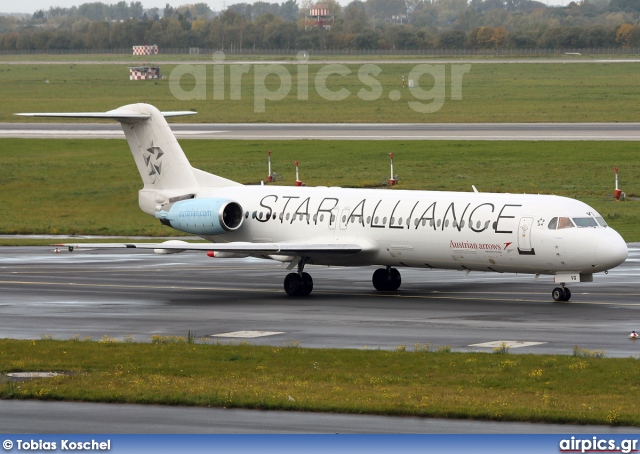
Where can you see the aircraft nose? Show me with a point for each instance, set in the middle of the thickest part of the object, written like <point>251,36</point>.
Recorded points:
<point>611,252</point>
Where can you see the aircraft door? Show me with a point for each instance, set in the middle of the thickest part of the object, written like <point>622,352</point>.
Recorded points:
<point>524,234</point>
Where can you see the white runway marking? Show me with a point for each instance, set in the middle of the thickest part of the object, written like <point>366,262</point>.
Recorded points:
<point>33,374</point>
<point>248,334</point>
<point>509,344</point>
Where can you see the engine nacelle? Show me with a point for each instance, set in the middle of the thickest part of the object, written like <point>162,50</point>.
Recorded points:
<point>202,216</point>
<point>172,243</point>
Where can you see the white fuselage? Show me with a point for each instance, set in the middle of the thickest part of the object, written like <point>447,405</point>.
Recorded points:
<point>452,230</point>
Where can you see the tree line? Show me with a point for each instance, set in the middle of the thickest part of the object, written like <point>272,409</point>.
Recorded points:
<point>360,25</point>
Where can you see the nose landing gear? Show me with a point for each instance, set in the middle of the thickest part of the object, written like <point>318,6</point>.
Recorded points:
<point>561,293</point>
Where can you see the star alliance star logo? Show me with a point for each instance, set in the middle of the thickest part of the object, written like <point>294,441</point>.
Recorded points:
<point>153,162</point>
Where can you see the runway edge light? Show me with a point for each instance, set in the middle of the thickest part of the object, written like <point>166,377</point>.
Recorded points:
<point>617,193</point>
<point>393,180</point>
<point>298,182</point>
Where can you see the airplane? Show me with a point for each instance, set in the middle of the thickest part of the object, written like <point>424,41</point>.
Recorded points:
<point>468,231</point>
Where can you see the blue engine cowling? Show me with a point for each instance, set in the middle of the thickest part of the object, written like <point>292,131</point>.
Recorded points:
<point>202,216</point>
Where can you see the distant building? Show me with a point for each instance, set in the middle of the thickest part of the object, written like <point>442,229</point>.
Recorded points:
<point>318,17</point>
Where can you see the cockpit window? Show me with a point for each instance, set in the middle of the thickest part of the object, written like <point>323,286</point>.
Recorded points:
<point>565,223</point>
<point>585,222</point>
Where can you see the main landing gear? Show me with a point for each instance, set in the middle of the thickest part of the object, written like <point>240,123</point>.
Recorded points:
<point>300,283</point>
<point>386,279</point>
<point>561,293</point>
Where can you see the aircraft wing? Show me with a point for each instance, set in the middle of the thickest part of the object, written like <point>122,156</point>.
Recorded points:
<point>298,249</point>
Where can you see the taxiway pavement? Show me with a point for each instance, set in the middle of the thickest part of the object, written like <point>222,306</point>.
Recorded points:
<point>342,131</point>
<point>45,417</point>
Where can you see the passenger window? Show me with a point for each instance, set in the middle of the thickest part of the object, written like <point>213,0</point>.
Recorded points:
<point>585,222</point>
<point>565,223</point>
<point>553,223</point>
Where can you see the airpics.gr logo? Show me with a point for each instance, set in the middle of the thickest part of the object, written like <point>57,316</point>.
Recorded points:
<point>426,83</point>
<point>595,444</point>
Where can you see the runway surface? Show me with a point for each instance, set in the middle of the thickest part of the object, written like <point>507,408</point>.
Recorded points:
<point>97,293</point>
<point>342,131</point>
<point>140,294</point>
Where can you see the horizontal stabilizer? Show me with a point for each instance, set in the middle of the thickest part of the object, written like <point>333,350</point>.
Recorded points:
<point>117,114</point>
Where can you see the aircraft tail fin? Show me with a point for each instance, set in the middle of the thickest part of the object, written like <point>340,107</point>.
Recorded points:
<point>160,160</point>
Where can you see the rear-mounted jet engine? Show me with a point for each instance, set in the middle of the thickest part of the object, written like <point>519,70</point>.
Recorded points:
<point>202,216</point>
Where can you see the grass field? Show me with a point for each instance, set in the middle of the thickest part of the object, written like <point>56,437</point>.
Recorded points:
<point>489,92</point>
<point>416,380</point>
<point>61,186</point>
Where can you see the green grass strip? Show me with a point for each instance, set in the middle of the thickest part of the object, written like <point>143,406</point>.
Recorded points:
<point>79,186</point>
<point>488,92</point>
<point>581,389</point>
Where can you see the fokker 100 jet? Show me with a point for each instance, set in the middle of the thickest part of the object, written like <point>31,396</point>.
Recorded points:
<point>470,231</point>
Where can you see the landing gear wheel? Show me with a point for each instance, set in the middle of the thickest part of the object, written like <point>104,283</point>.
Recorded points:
<point>557,294</point>
<point>394,279</point>
<point>293,284</point>
<point>379,279</point>
<point>386,280</point>
<point>296,285</point>
<point>561,294</point>
<point>307,284</point>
